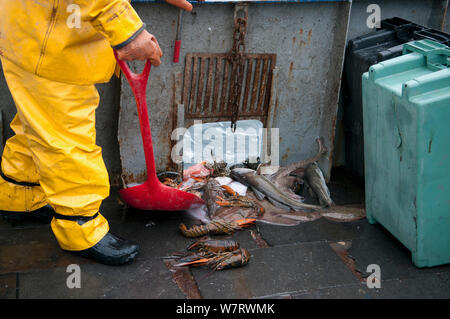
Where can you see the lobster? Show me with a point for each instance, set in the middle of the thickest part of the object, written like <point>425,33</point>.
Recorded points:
<point>215,246</point>
<point>217,261</point>
<point>235,200</point>
<point>218,226</point>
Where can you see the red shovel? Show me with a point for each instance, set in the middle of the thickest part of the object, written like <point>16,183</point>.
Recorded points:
<point>152,194</point>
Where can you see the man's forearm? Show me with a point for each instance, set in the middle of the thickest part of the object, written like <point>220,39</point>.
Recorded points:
<point>114,19</point>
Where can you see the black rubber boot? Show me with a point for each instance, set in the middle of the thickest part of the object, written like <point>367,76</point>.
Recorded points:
<point>110,250</point>
<point>44,214</point>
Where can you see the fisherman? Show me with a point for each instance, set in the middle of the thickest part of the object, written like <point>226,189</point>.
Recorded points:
<point>52,166</point>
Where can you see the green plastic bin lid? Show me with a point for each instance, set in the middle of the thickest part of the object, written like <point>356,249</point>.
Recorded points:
<point>423,67</point>
<point>436,54</point>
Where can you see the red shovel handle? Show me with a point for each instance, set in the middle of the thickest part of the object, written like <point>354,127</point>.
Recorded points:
<point>138,84</point>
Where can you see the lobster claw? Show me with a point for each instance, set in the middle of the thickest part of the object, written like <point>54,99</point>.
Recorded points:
<point>192,261</point>
<point>197,243</point>
<point>229,190</point>
<point>245,222</point>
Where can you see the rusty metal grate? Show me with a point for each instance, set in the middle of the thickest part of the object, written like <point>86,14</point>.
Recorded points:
<point>207,79</point>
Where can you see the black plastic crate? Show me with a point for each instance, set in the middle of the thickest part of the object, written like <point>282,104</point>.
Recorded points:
<point>433,35</point>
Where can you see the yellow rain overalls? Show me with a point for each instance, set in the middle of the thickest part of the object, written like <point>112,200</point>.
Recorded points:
<point>52,54</point>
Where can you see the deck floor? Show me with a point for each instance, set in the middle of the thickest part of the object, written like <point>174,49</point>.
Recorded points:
<point>317,259</point>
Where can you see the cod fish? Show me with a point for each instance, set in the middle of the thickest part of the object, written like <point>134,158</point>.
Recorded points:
<point>315,180</point>
<point>263,187</point>
<point>286,178</point>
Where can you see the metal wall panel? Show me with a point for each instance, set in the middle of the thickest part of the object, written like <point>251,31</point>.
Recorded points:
<point>272,25</point>
<point>309,40</point>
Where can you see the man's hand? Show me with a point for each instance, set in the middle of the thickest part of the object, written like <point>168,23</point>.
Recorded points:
<point>143,47</point>
<point>183,4</point>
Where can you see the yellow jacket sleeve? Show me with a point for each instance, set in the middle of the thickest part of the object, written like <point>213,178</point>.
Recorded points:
<point>114,19</point>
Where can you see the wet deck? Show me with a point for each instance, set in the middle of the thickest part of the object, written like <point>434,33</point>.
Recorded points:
<point>318,259</point>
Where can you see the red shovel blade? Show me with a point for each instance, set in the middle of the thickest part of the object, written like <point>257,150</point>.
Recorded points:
<point>152,194</point>
<point>161,197</point>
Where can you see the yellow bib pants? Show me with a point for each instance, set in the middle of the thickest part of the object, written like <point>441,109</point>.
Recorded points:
<point>51,66</point>
<point>55,147</point>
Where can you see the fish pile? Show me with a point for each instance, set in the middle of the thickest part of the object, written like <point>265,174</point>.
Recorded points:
<point>236,197</point>
<point>263,192</point>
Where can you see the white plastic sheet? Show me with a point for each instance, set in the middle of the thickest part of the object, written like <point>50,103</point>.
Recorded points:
<point>202,141</point>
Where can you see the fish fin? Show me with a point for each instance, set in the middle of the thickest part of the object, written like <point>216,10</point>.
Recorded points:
<point>259,195</point>
<point>278,204</point>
